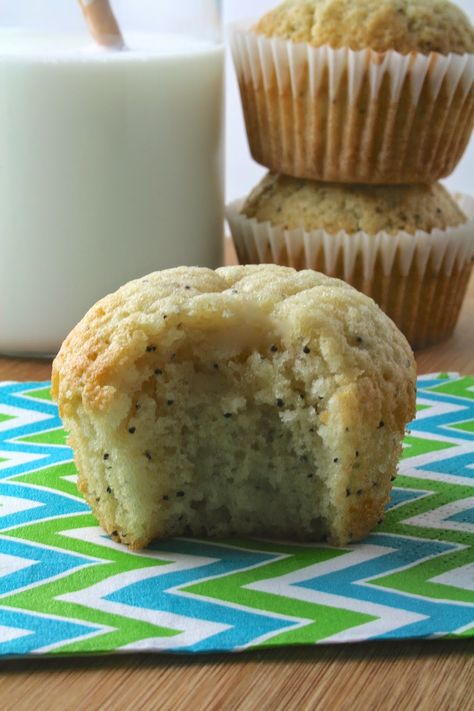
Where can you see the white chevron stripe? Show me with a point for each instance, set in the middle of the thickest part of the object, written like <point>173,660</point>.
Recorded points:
<point>447,375</point>
<point>22,417</point>
<point>14,459</point>
<point>437,517</point>
<point>12,564</point>
<point>193,631</point>
<point>152,644</point>
<point>97,536</point>
<point>13,504</point>
<point>102,629</point>
<point>462,577</point>
<point>389,617</point>
<point>435,409</point>
<point>7,634</point>
<point>408,467</point>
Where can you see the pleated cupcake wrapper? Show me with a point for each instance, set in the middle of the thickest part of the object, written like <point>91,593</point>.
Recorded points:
<point>424,302</point>
<point>325,138</point>
<point>449,249</point>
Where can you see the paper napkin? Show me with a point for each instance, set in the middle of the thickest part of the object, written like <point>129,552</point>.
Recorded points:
<point>66,587</point>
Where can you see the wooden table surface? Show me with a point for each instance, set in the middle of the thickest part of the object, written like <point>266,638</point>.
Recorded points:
<point>434,675</point>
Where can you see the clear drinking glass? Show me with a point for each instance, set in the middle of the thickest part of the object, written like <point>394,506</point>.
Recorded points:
<point>111,161</point>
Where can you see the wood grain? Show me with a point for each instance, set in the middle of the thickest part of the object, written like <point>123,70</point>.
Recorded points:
<point>414,676</point>
<point>398,676</point>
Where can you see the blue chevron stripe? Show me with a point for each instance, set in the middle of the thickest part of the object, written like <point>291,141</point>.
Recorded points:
<point>460,465</point>
<point>426,383</point>
<point>398,497</point>
<point>13,434</point>
<point>429,382</point>
<point>46,563</point>
<point>47,455</point>
<point>53,504</point>
<point>41,631</point>
<point>438,615</point>
<point>167,592</point>
<point>466,516</point>
<point>244,625</point>
<point>16,395</point>
<point>438,424</point>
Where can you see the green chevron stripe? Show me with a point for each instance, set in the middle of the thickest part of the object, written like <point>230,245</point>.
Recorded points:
<point>57,436</point>
<point>458,388</point>
<point>414,446</point>
<point>5,418</point>
<point>110,562</point>
<point>52,478</point>
<point>441,494</point>
<point>416,579</point>
<point>40,394</point>
<point>323,620</point>
<point>467,426</point>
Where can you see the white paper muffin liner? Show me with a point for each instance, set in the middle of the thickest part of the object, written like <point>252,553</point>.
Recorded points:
<point>418,279</point>
<point>353,116</point>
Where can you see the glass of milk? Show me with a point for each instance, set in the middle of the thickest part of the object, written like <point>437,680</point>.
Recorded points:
<point>111,162</point>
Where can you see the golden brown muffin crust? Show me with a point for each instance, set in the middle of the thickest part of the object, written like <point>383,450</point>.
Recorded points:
<point>335,207</point>
<point>163,385</point>
<point>403,25</point>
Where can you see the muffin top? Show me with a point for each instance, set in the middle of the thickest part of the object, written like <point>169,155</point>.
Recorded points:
<point>403,25</point>
<point>336,207</point>
<point>232,310</point>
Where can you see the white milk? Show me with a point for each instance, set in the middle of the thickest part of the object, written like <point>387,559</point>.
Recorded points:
<point>110,167</point>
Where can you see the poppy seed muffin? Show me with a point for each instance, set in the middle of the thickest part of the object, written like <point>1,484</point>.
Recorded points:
<point>333,207</point>
<point>409,247</point>
<point>358,91</point>
<point>402,25</point>
<point>249,400</point>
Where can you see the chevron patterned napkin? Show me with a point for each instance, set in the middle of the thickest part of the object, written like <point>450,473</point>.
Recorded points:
<point>66,588</point>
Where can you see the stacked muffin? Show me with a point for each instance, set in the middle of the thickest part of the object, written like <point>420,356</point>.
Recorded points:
<point>358,107</point>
